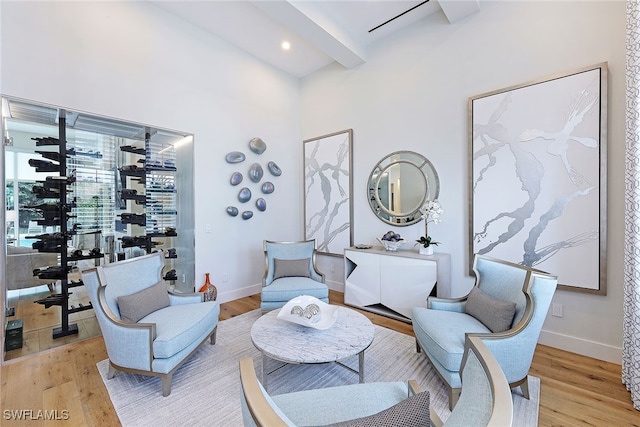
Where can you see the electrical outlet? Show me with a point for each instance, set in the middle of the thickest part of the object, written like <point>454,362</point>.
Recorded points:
<point>225,277</point>
<point>184,278</point>
<point>208,228</point>
<point>556,310</point>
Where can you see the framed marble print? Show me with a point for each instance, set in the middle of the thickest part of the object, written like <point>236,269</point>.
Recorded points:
<point>328,211</point>
<point>538,176</point>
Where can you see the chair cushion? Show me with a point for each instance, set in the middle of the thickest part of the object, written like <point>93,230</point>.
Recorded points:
<point>411,412</point>
<point>286,288</point>
<point>136,306</point>
<point>291,268</point>
<point>341,403</point>
<point>178,326</point>
<point>495,314</point>
<point>445,344</point>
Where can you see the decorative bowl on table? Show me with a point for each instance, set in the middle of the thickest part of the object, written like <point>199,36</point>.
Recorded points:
<point>309,311</point>
<point>391,241</point>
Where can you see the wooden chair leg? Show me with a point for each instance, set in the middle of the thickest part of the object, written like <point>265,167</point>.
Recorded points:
<point>212,338</point>
<point>166,384</point>
<point>454,396</point>
<point>112,372</point>
<point>525,388</point>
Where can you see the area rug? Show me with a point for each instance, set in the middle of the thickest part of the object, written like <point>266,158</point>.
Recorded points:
<point>206,389</point>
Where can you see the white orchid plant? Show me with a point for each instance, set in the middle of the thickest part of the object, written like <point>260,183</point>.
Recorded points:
<point>431,212</point>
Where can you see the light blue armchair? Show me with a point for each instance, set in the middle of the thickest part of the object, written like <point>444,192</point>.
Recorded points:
<point>290,271</point>
<point>506,307</point>
<point>485,399</point>
<point>147,330</point>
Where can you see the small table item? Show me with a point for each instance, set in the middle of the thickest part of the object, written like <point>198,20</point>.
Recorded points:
<point>287,342</point>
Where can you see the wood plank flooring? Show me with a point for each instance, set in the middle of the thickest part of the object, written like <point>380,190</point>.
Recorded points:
<point>38,322</point>
<point>575,390</point>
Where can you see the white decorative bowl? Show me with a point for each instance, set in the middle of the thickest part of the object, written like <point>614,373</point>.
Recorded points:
<point>309,311</point>
<point>391,246</point>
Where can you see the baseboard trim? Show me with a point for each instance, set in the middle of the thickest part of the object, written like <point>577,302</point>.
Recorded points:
<point>234,294</point>
<point>588,348</point>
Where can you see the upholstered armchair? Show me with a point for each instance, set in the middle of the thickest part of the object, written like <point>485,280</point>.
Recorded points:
<point>506,307</point>
<point>290,271</point>
<point>146,329</point>
<point>485,399</point>
<point>21,261</point>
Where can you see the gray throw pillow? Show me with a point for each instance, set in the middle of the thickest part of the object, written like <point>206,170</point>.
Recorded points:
<point>291,268</point>
<point>411,412</point>
<point>135,306</point>
<point>495,314</point>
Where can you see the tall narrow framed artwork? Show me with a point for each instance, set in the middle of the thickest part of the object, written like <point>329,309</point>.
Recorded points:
<point>328,211</point>
<point>538,176</point>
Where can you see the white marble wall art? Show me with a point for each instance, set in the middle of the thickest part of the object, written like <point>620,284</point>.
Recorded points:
<point>539,179</point>
<point>327,188</point>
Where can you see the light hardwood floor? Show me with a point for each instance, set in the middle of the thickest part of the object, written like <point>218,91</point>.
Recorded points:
<point>575,390</point>
<point>38,321</point>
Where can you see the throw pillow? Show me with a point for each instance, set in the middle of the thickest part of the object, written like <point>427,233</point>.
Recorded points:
<point>411,412</point>
<point>291,268</point>
<point>495,314</point>
<point>135,306</point>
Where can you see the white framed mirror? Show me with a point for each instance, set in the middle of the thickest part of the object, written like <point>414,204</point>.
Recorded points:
<point>399,185</point>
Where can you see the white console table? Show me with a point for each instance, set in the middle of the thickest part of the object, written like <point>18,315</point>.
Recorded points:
<point>392,283</point>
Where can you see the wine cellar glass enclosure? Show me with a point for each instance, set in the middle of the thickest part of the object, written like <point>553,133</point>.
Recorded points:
<point>91,190</point>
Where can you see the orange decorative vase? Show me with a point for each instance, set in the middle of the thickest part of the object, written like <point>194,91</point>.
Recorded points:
<point>208,289</point>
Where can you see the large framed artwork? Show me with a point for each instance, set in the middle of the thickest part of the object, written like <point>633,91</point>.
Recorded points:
<point>328,211</point>
<point>538,176</point>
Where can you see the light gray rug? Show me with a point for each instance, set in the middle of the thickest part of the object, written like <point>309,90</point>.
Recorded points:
<point>206,389</point>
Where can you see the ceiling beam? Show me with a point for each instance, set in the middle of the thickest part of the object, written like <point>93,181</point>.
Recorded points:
<point>308,21</point>
<point>456,10</point>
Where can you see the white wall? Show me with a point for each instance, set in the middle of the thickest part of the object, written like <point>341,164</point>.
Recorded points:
<point>412,94</point>
<point>133,61</point>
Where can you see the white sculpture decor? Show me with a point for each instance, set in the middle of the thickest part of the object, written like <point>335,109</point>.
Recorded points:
<point>309,311</point>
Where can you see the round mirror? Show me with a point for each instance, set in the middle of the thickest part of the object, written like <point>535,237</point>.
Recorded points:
<point>399,185</point>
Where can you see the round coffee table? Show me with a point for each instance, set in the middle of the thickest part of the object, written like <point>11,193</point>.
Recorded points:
<point>291,343</point>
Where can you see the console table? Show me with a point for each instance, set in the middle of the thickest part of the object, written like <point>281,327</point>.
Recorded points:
<point>392,283</point>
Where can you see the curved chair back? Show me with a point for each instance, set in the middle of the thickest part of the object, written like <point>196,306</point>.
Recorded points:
<point>485,399</point>
<point>130,276</point>
<point>514,351</point>
<point>502,280</point>
<point>290,251</point>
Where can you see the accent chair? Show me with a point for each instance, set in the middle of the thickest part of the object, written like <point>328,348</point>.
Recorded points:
<point>147,330</point>
<point>22,261</point>
<point>485,399</point>
<point>506,307</point>
<point>290,271</point>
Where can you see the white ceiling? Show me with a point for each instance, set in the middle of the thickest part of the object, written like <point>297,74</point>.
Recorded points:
<point>320,31</point>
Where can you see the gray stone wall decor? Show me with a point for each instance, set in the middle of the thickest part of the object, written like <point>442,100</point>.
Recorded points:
<point>255,172</point>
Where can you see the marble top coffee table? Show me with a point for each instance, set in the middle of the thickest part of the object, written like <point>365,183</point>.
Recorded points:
<point>287,342</point>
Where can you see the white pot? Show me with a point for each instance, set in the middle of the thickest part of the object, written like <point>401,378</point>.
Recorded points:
<point>426,251</point>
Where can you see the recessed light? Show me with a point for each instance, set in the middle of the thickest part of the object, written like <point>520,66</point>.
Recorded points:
<point>286,45</point>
